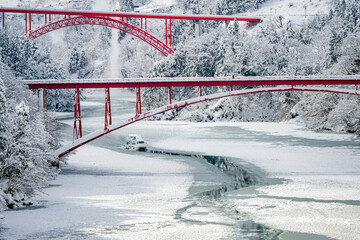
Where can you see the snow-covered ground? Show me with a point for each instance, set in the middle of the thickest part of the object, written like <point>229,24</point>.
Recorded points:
<point>321,171</point>
<point>156,4</point>
<point>294,10</point>
<point>105,194</point>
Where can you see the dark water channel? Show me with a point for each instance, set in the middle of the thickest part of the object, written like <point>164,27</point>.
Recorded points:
<point>244,228</point>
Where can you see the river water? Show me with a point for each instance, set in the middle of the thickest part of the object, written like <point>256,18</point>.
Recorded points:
<point>197,181</point>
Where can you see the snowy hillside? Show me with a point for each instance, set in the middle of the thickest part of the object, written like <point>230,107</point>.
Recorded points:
<point>293,10</point>
<point>326,42</point>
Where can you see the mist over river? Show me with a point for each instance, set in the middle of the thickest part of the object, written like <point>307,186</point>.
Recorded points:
<point>221,180</point>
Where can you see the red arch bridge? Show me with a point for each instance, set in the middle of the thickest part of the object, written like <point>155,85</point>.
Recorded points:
<point>136,24</point>
<point>248,85</point>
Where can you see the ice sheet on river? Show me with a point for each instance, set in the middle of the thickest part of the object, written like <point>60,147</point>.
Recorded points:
<point>321,192</point>
<point>104,194</point>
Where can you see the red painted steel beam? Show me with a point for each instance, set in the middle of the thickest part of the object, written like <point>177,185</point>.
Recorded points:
<point>169,92</point>
<point>170,34</point>
<point>107,22</point>
<point>138,101</point>
<point>69,85</point>
<point>77,131</point>
<point>130,15</point>
<point>108,120</point>
<point>166,32</point>
<point>186,103</point>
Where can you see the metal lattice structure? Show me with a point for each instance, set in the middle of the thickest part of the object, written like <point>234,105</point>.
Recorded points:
<point>59,18</point>
<point>247,85</point>
<point>102,21</point>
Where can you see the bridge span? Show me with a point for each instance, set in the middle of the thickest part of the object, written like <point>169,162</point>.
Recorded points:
<point>135,24</point>
<point>247,85</point>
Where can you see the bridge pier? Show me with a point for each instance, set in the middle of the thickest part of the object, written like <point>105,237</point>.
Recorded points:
<point>108,120</point>
<point>77,131</point>
<point>42,103</point>
<point>169,92</point>
<point>138,101</point>
<point>197,28</point>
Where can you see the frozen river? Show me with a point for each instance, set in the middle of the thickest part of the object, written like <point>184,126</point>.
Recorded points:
<point>198,181</point>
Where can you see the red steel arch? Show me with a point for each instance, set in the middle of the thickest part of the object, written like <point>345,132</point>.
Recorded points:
<point>99,133</point>
<point>103,21</point>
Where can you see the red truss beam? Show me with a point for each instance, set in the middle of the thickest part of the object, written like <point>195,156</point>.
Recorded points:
<point>97,134</point>
<point>193,82</point>
<point>108,22</point>
<point>131,15</point>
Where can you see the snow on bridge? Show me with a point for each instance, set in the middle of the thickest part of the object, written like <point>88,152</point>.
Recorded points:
<point>257,84</point>
<point>193,81</point>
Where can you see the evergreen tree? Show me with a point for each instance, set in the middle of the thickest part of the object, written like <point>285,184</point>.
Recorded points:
<point>126,5</point>
<point>74,64</point>
<point>4,120</point>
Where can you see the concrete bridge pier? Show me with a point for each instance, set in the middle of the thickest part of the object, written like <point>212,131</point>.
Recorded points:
<point>42,103</point>
<point>197,28</point>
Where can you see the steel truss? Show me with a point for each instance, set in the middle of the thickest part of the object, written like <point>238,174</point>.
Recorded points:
<point>103,21</point>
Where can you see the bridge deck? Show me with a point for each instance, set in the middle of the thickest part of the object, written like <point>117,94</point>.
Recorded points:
<point>131,15</point>
<point>192,81</point>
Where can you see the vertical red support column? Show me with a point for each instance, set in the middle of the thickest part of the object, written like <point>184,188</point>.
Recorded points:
<point>138,101</point>
<point>49,18</point>
<point>45,19</point>
<point>200,89</point>
<point>231,88</point>
<point>3,18</point>
<point>141,24</point>
<point>146,24</point>
<point>77,132</point>
<point>170,35</point>
<point>26,23</point>
<point>108,120</point>
<point>29,21</point>
<point>169,91</point>
<point>166,37</point>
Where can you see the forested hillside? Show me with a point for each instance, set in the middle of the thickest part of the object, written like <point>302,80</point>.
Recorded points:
<point>325,45</point>
<point>27,140</point>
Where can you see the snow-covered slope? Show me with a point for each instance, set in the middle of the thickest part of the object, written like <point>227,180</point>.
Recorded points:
<point>293,10</point>
<point>156,4</point>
